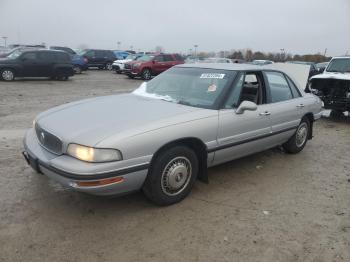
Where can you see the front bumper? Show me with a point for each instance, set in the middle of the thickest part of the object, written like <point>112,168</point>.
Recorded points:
<point>69,171</point>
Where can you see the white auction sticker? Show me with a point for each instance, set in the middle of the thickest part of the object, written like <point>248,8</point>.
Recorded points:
<point>213,75</point>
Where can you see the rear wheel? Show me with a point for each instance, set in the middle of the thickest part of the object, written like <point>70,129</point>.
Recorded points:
<point>8,74</point>
<point>298,141</point>
<point>77,69</point>
<point>109,66</point>
<point>146,74</point>
<point>336,113</point>
<point>171,176</point>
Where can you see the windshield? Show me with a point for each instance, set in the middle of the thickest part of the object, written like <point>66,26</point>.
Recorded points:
<point>339,65</point>
<point>14,54</point>
<point>145,58</point>
<point>195,87</point>
<point>131,57</point>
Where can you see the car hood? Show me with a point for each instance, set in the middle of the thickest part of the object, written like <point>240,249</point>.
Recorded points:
<point>89,122</point>
<point>5,60</point>
<point>331,75</point>
<point>122,61</point>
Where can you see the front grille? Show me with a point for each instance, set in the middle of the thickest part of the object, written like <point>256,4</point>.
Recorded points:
<point>127,66</point>
<point>49,141</point>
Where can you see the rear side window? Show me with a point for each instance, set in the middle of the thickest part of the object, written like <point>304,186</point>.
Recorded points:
<point>100,53</point>
<point>159,58</point>
<point>90,53</point>
<point>168,58</point>
<point>279,88</point>
<point>295,90</point>
<point>62,57</point>
<point>179,58</point>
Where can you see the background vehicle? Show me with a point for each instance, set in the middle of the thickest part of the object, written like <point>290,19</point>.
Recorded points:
<point>79,63</point>
<point>322,66</point>
<point>178,124</point>
<point>217,60</point>
<point>333,85</point>
<point>120,54</point>
<point>313,68</point>
<point>261,62</point>
<point>118,65</point>
<point>103,59</point>
<point>36,63</point>
<point>149,65</point>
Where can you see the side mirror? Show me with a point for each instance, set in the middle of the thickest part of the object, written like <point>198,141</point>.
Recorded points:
<point>246,105</point>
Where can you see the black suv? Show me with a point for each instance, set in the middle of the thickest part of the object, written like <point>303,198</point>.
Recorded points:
<point>36,63</point>
<point>103,59</point>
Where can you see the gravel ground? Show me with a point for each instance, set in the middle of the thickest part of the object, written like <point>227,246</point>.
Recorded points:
<point>267,207</point>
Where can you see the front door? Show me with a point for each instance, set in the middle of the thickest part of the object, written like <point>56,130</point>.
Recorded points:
<point>30,64</point>
<point>159,64</point>
<point>246,133</point>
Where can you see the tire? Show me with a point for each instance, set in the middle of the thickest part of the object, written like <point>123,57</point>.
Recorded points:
<point>172,175</point>
<point>7,74</point>
<point>131,76</point>
<point>100,67</point>
<point>77,69</point>
<point>146,74</point>
<point>109,66</point>
<point>298,141</point>
<point>336,114</point>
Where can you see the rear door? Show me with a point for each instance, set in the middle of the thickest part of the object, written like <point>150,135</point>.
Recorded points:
<point>159,64</point>
<point>246,133</point>
<point>91,57</point>
<point>46,61</point>
<point>170,61</point>
<point>285,105</point>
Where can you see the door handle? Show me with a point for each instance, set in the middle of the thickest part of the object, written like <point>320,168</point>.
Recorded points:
<point>300,106</point>
<point>266,113</point>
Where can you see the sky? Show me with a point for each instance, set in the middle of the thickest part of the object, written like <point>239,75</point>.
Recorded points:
<point>297,26</point>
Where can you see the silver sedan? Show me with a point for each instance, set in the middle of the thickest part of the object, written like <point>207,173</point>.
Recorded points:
<point>165,134</point>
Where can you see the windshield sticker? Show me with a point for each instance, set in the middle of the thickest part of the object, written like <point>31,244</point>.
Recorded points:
<point>213,76</point>
<point>212,88</point>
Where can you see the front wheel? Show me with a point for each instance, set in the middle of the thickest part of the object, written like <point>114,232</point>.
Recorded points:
<point>146,74</point>
<point>171,176</point>
<point>298,141</point>
<point>7,75</point>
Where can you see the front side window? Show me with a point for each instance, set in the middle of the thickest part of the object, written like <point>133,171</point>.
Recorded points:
<point>29,56</point>
<point>295,90</point>
<point>279,88</point>
<point>197,87</point>
<point>247,88</point>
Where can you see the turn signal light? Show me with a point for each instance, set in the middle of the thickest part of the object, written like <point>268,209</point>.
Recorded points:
<point>102,182</point>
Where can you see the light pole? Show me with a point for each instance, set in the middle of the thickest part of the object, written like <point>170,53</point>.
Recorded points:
<point>131,48</point>
<point>118,44</point>
<point>195,50</point>
<point>5,39</point>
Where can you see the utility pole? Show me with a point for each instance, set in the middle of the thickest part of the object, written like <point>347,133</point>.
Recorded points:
<point>325,52</point>
<point>118,44</point>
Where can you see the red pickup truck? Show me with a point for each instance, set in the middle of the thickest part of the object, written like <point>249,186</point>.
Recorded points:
<point>149,65</point>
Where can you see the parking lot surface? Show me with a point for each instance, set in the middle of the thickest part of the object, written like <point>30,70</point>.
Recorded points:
<point>267,207</point>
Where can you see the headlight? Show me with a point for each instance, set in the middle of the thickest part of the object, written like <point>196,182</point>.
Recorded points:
<point>137,64</point>
<point>94,155</point>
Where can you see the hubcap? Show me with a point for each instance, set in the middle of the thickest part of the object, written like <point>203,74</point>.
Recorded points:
<point>7,75</point>
<point>176,176</point>
<point>109,66</point>
<point>301,135</point>
<point>147,74</point>
<point>77,70</point>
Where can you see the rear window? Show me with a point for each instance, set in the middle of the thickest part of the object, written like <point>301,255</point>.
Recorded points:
<point>168,58</point>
